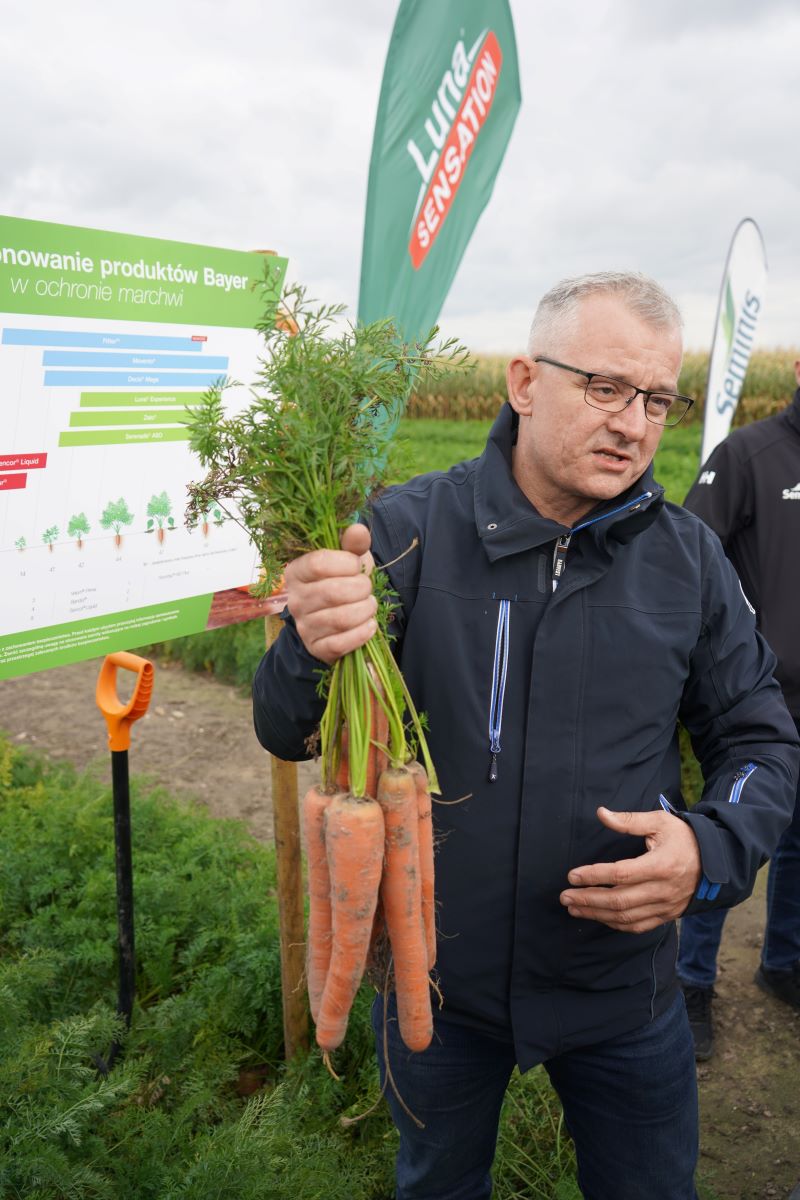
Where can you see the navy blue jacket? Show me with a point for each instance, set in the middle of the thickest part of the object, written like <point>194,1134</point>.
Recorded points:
<point>648,625</point>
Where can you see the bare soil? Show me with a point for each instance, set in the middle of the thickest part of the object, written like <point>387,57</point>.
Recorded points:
<point>197,738</point>
<point>198,741</point>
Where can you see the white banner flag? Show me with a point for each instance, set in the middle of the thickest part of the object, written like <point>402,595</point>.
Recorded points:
<point>741,303</point>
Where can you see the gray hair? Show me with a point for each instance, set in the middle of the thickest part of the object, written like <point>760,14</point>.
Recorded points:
<point>558,309</point>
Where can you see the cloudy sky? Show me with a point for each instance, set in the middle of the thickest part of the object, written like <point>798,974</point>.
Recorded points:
<point>647,131</point>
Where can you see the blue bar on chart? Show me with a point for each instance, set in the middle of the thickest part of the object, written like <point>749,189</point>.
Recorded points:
<point>126,341</point>
<point>99,358</point>
<point>171,379</point>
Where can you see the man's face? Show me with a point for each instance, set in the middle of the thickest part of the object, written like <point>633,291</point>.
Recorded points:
<point>569,455</point>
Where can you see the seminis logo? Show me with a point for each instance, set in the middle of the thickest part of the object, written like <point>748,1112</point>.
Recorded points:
<point>739,332</point>
<point>441,151</point>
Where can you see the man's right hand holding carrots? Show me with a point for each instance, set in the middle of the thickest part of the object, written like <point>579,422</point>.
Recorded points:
<point>330,596</point>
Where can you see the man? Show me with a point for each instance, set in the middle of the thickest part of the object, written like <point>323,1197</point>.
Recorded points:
<point>748,492</point>
<point>555,620</point>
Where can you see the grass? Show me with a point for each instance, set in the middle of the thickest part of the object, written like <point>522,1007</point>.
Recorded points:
<point>434,445</point>
<point>172,1124</point>
<point>178,1119</point>
<point>424,446</point>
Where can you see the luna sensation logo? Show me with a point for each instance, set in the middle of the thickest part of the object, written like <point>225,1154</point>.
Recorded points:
<point>459,111</point>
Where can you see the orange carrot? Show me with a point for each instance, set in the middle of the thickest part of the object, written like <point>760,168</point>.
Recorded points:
<point>402,906</point>
<point>318,940</point>
<point>426,871</point>
<point>354,838</point>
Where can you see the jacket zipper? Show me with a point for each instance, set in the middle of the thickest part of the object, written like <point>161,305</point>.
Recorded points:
<point>739,780</point>
<point>499,677</point>
<point>562,544</point>
<point>560,557</point>
<point>502,637</point>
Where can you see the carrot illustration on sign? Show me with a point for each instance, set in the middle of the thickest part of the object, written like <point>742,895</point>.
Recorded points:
<point>218,518</point>
<point>115,515</point>
<point>21,543</point>
<point>159,512</point>
<point>49,536</point>
<point>78,526</point>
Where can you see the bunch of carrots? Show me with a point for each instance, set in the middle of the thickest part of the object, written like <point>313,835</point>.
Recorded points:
<point>370,883</point>
<point>292,467</point>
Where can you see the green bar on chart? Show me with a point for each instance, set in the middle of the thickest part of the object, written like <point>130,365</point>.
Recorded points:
<point>159,416</point>
<point>121,437</point>
<point>135,399</point>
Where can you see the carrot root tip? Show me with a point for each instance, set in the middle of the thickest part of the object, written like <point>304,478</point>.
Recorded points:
<point>326,1058</point>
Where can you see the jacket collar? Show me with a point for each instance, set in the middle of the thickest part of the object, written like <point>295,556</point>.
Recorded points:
<point>507,523</point>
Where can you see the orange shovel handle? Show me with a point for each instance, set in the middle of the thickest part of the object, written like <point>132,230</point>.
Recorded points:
<point>119,717</point>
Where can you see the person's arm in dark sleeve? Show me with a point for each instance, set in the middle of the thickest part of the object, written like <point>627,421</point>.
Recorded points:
<point>722,494</point>
<point>287,706</point>
<point>743,737</point>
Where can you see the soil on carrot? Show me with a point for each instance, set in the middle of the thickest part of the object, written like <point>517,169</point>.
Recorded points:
<point>198,740</point>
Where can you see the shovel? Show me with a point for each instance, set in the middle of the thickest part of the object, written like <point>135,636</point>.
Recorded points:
<point>119,718</point>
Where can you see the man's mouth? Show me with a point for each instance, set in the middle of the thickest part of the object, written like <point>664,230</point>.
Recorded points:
<point>613,456</point>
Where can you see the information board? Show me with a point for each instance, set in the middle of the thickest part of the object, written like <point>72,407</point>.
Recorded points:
<point>106,342</point>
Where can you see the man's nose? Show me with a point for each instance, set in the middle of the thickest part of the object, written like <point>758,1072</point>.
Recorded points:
<point>631,422</point>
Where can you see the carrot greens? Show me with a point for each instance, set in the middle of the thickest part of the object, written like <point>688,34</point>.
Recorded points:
<point>296,464</point>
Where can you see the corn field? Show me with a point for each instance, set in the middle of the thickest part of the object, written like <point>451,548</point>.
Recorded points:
<point>477,394</point>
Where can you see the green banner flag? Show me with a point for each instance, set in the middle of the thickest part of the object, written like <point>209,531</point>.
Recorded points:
<point>449,99</point>
<point>741,303</point>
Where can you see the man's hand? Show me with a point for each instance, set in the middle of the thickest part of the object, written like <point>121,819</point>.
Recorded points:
<point>637,894</point>
<point>329,594</point>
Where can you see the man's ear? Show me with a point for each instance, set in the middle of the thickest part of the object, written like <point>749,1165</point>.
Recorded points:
<point>520,375</point>
<point>797,372</point>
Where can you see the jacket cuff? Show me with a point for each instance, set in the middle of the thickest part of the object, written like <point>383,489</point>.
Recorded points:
<point>287,706</point>
<point>713,858</point>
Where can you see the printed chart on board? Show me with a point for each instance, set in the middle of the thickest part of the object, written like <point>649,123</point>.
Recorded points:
<point>106,343</point>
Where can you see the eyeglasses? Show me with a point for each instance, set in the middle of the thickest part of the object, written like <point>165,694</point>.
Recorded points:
<point>614,395</point>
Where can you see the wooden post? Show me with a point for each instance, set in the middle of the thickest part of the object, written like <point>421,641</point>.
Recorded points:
<point>286,820</point>
<point>289,869</point>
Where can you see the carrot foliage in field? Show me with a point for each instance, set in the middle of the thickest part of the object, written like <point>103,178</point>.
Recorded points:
<point>295,465</point>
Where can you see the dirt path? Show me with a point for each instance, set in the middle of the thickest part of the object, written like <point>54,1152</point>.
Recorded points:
<point>197,740</point>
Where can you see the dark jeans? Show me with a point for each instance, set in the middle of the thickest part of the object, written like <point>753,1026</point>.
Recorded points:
<point>701,933</point>
<point>630,1105</point>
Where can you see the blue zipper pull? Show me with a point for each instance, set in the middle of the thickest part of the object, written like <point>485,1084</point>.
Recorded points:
<point>499,677</point>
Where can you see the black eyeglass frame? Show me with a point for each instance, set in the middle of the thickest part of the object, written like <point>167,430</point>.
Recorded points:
<point>590,375</point>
